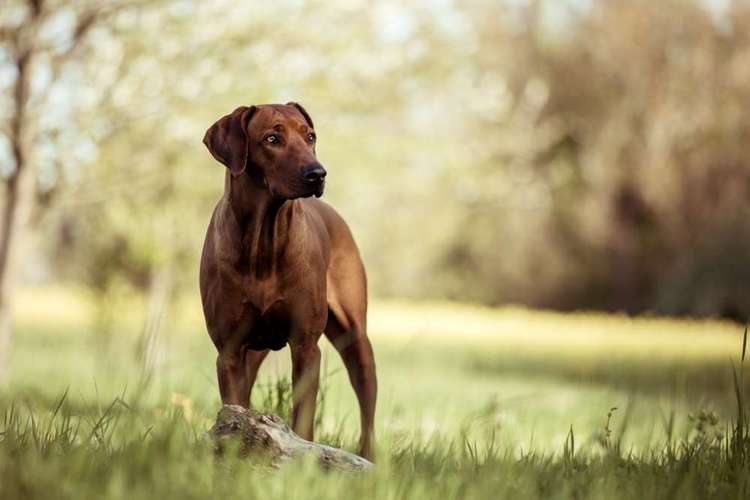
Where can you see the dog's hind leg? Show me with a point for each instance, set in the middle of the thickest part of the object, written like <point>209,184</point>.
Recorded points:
<point>356,352</point>
<point>346,329</point>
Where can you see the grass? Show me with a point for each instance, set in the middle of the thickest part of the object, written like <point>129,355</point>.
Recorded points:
<point>473,403</point>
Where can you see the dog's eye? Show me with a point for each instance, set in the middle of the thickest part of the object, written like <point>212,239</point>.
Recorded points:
<point>311,137</point>
<point>272,139</point>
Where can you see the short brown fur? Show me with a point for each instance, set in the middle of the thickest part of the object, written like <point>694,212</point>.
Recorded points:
<point>281,267</point>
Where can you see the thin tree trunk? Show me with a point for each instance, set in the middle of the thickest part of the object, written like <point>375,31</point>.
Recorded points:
<point>18,196</point>
<point>14,210</point>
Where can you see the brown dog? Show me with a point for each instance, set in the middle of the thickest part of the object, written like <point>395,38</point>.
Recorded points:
<point>280,267</point>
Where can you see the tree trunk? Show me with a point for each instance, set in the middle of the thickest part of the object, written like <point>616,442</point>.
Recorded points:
<point>18,196</point>
<point>268,440</point>
<point>15,209</point>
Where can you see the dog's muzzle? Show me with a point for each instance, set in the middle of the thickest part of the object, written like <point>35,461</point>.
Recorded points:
<point>315,177</point>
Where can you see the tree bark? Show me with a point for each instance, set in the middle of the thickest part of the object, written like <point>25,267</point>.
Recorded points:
<point>268,440</point>
<point>18,194</point>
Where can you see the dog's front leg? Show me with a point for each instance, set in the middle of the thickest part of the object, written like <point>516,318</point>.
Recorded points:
<point>305,377</point>
<point>233,380</point>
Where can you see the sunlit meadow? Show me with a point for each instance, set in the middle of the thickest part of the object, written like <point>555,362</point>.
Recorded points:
<point>473,402</point>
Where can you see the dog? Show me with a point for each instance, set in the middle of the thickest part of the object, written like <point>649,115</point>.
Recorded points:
<point>280,267</point>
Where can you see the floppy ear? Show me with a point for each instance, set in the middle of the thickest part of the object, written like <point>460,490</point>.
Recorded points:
<point>303,111</point>
<point>227,139</point>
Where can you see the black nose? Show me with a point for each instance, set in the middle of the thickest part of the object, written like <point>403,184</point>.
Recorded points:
<point>314,173</point>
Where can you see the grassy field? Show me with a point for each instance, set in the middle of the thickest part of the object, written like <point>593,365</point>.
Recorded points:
<point>473,403</point>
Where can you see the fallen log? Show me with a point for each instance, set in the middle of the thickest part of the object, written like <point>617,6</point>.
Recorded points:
<point>266,439</point>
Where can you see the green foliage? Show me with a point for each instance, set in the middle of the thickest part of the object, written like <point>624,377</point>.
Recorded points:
<point>550,164</point>
<point>616,175</point>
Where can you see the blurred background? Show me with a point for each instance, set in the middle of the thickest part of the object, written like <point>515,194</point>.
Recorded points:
<point>566,155</point>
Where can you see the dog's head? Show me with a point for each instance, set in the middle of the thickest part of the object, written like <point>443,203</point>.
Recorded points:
<point>273,143</point>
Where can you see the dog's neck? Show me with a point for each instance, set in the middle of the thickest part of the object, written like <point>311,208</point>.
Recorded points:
<point>249,198</point>
<point>256,212</point>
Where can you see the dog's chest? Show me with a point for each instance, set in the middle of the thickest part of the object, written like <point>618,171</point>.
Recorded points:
<point>275,313</point>
<point>262,294</point>
<point>270,330</point>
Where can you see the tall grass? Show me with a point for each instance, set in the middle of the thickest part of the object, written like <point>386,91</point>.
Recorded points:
<point>474,403</point>
<point>128,449</point>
